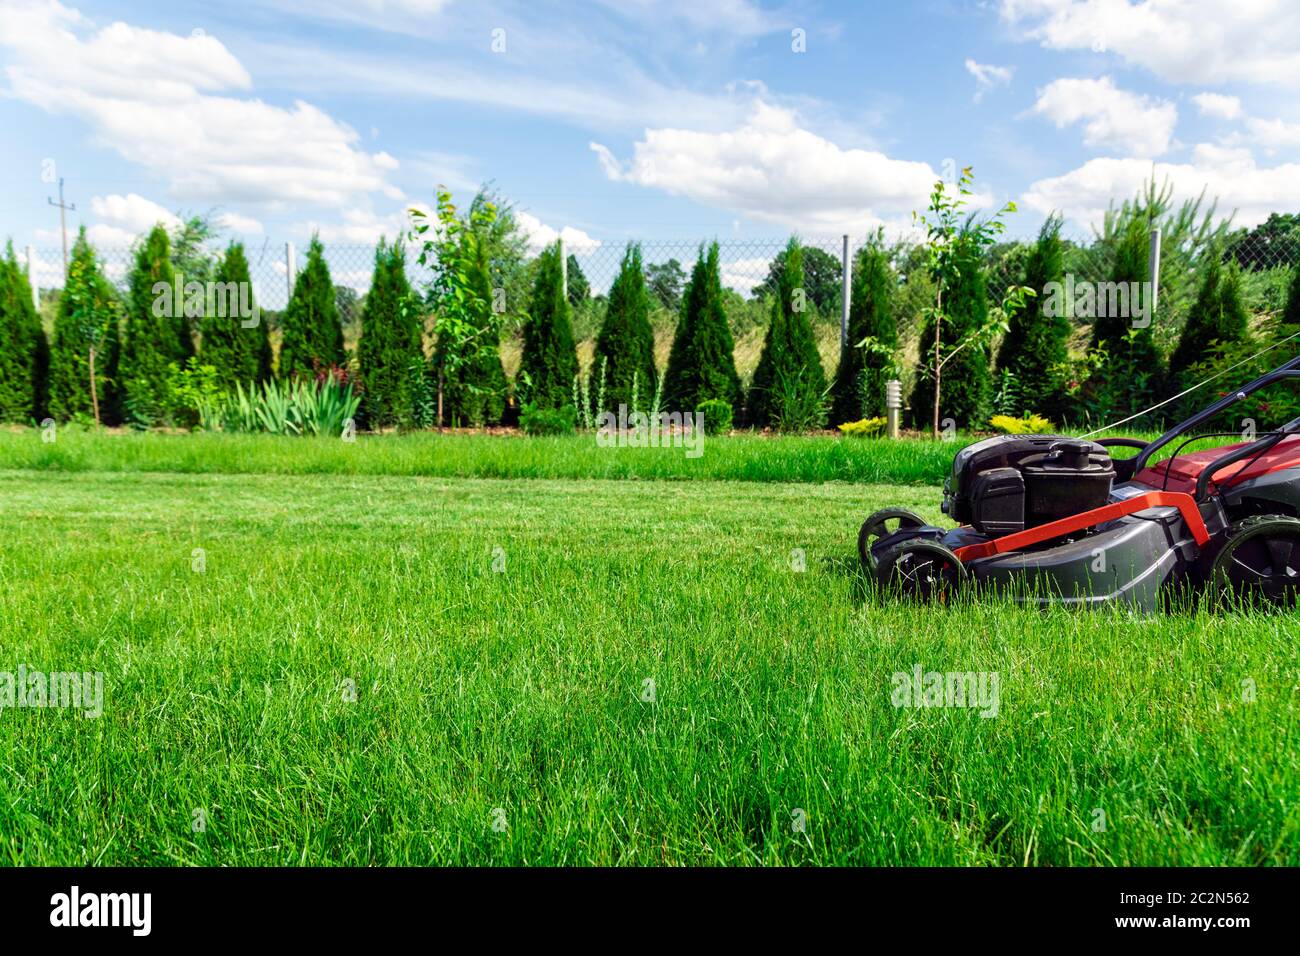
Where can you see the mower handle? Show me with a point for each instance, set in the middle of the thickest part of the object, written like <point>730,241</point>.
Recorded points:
<point>1288,371</point>
<point>1255,448</point>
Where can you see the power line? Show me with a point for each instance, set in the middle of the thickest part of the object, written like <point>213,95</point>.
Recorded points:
<point>63,225</point>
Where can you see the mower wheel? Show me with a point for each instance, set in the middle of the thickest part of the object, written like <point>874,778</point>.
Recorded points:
<point>1259,562</point>
<point>921,570</point>
<point>880,524</point>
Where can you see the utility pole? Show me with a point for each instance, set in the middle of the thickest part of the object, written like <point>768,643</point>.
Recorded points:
<point>63,225</point>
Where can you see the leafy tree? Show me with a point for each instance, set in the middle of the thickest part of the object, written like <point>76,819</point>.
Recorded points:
<point>822,275</point>
<point>1274,242</point>
<point>239,354</point>
<point>665,282</point>
<point>1036,345</point>
<point>700,363</point>
<point>492,219</point>
<point>350,307</point>
<point>550,358</point>
<point>85,352</point>
<point>790,360</point>
<point>626,343</point>
<point>24,351</point>
<point>311,333</point>
<point>467,359</point>
<point>868,360</point>
<point>1291,314</point>
<point>579,289</point>
<point>155,332</point>
<point>391,339</point>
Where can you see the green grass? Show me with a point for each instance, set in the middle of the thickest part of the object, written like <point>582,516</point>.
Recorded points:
<point>741,457</point>
<point>520,690</point>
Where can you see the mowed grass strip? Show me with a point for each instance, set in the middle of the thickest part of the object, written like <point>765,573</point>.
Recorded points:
<point>515,696</point>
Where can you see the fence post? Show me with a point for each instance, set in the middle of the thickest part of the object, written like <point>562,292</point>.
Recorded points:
<point>844,305</point>
<point>1153,260</point>
<point>31,277</point>
<point>290,267</point>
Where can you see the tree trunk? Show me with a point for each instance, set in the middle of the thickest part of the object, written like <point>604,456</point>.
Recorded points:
<point>440,399</point>
<point>94,394</point>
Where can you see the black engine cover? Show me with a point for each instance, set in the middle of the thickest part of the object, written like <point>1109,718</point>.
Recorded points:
<point>1005,484</point>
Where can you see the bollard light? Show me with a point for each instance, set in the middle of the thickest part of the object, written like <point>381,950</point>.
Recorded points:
<point>893,405</point>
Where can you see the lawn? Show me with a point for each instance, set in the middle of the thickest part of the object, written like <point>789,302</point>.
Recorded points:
<point>501,636</point>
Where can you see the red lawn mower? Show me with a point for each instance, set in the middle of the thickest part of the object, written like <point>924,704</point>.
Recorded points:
<point>1053,519</point>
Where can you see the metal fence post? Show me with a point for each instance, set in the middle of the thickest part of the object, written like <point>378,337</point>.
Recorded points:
<point>844,305</point>
<point>290,267</point>
<point>1153,260</point>
<point>31,277</point>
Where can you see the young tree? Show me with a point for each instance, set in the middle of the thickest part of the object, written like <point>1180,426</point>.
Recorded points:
<point>700,364</point>
<point>1219,315</point>
<point>24,351</point>
<point>625,346</point>
<point>391,339</point>
<point>240,353</point>
<point>868,361</point>
<point>579,289</point>
<point>790,367</point>
<point>1037,341</point>
<point>311,332</point>
<point>476,390</point>
<point>1291,313</point>
<point>155,332</point>
<point>1129,371</point>
<point>85,351</point>
<point>550,358</point>
<point>821,278</point>
<point>665,282</point>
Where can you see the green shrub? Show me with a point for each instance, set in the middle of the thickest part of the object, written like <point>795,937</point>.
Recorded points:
<point>237,353</point>
<point>313,406</point>
<point>868,361</point>
<point>24,350</point>
<point>155,333</point>
<point>1031,424</point>
<point>701,365</point>
<point>793,403</point>
<point>391,339</point>
<point>789,383</point>
<point>550,359</point>
<point>311,333</point>
<point>864,428</point>
<point>626,343</point>
<point>1036,344</point>
<point>548,421</point>
<point>716,415</point>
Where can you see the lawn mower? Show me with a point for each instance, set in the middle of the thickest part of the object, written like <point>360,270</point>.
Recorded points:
<point>1054,519</point>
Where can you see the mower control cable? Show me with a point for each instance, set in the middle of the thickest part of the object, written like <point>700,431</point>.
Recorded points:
<point>1169,462</point>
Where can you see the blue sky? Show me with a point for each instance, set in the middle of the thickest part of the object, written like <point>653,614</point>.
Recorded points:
<point>678,119</point>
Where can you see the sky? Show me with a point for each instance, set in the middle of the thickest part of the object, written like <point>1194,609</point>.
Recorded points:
<point>604,121</point>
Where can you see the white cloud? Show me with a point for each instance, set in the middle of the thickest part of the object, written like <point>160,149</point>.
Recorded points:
<point>743,274</point>
<point>1188,41</point>
<point>1113,119</point>
<point>132,213</point>
<point>1218,105</point>
<point>240,225</point>
<point>1229,174</point>
<point>540,236</point>
<point>771,169</point>
<point>1273,134</point>
<point>151,97</point>
<point>987,76</point>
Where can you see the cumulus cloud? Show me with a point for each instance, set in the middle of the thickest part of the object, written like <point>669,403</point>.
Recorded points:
<point>1230,174</point>
<point>1218,105</point>
<point>769,168</point>
<point>1113,119</point>
<point>541,235</point>
<point>1192,41</point>
<point>164,101</point>
<point>987,76</point>
<point>132,213</point>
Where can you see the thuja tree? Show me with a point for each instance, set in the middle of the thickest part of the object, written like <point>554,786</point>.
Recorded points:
<point>550,358</point>
<point>85,350</point>
<point>311,333</point>
<point>1219,315</point>
<point>235,341</point>
<point>625,345</point>
<point>470,382</point>
<point>701,366</point>
<point>579,288</point>
<point>1128,373</point>
<point>24,351</point>
<point>954,372</point>
<point>1036,346</point>
<point>391,340</point>
<point>789,372</point>
<point>868,360</point>
<point>155,332</point>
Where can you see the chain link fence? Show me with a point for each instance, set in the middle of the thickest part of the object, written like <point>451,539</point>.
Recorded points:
<point>1266,262</point>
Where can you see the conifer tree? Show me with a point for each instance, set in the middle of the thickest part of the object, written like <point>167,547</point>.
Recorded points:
<point>311,331</point>
<point>550,359</point>
<point>24,351</point>
<point>625,345</point>
<point>790,364</point>
<point>1037,343</point>
<point>579,288</point>
<point>701,364</point>
<point>859,390</point>
<point>391,339</point>
<point>240,353</point>
<point>155,333</point>
<point>86,334</point>
<point>1219,315</point>
<point>1132,373</point>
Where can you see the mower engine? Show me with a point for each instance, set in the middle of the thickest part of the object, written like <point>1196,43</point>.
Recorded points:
<point>1012,482</point>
